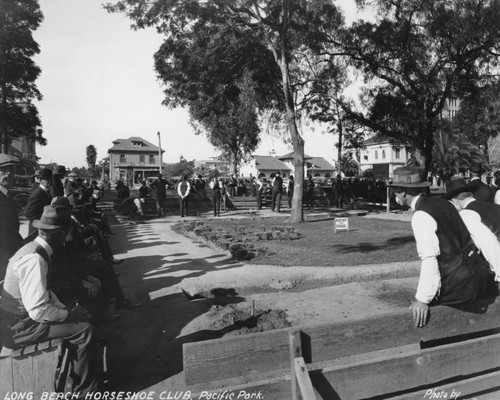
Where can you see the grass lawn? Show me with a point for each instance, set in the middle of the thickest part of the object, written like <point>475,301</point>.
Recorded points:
<point>369,241</point>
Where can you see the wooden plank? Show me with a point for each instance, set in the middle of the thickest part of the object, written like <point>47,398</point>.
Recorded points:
<point>22,373</point>
<point>6,379</point>
<point>302,375</point>
<point>407,369</point>
<point>295,351</point>
<point>44,368</point>
<point>483,386</point>
<point>224,358</point>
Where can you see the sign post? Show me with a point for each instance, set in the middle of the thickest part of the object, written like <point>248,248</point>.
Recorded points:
<point>341,224</point>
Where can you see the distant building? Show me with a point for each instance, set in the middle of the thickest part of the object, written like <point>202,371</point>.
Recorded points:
<point>133,160</point>
<point>383,156</point>
<point>267,165</point>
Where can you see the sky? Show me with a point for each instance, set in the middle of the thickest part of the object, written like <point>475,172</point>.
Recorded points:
<point>98,85</point>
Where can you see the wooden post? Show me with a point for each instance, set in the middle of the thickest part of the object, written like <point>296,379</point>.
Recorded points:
<point>388,199</point>
<point>295,351</point>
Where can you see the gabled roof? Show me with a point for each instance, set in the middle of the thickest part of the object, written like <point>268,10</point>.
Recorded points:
<point>134,144</point>
<point>289,156</point>
<point>270,162</point>
<point>319,163</point>
<point>379,139</point>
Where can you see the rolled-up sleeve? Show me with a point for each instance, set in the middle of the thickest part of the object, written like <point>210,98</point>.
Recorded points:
<point>424,229</point>
<point>32,275</point>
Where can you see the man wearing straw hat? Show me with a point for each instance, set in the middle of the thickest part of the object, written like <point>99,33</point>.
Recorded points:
<point>30,313</point>
<point>452,270</point>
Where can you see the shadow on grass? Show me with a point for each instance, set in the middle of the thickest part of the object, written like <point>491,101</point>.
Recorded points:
<point>369,247</point>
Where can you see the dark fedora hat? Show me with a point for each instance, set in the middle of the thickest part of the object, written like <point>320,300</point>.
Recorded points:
<point>6,160</point>
<point>61,202</point>
<point>476,167</point>
<point>54,218</point>
<point>61,170</point>
<point>457,186</point>
<point>45,173</point>
<point>408,176</point>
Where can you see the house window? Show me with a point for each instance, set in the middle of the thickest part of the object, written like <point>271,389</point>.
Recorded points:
<point>383,154</point>
<point>376,154</point>
<point>152,159</point>
<point>142,158</point>
<point>397,153</point>
<point>123,158</point>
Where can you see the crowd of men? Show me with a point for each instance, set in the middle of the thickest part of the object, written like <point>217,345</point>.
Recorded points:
<point>60,281</point>
<point>457,237</point>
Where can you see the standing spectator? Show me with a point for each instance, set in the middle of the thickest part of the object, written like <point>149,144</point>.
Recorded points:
<point>30,313</point>
<point>57,187</point>
<point>70,186</point>
<point>232,184</point>
<point>183,189</point>
<point>199,186</point>
<point>290,189</point>
<point>10,239</point>
<point>36,181</point>
<point>309,191</point>
<point>277,192</point>
<point>260,192</point>
<point>452,270</point>
<point>339,192</point>
<point>39,198</point>
<point>161,194</point>
<point>223,193</point>
<point>216,193</point>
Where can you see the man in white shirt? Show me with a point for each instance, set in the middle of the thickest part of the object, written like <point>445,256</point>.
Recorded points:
<point>452,271</point>
<point>183,189</point>
<point>30,313</point>
<point>481,218</point>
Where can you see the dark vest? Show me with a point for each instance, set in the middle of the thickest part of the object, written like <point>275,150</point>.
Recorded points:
<point>489,213</point>
<point>11,300</point>
<point>483,192</point>
<point>184,187</point>
<point>455,244</point>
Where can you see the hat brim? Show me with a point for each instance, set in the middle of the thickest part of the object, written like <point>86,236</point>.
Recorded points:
<point>40,225</point>
<point>410,185</point>
<point>471,187</point>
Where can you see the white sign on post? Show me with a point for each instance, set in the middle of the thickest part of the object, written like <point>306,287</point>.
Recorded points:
<point>341,224</point>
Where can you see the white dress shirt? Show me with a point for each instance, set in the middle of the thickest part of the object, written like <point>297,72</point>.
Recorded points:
<point>484,239</point>
<point>179,191</point>
<point>424,229</point>
<point>41,304</point>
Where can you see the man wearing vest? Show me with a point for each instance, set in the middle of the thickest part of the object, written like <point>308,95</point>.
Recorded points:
<point>277,192</point>
<point>30,313</point>
<point>10,239</point>
<point>452,270</point>
<point>183,189</point>
<point>483,192</point>
<point>481,218</point>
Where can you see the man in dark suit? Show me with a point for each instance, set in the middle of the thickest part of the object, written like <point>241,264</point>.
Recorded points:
<point>277,192</point>
<point>39,198</point>
<point>10,239</point>
<point>484,192</point>
<point>57,187</point>
<point>161,194</point>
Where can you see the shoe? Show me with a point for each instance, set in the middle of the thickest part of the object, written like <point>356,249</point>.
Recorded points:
<point>126,304</point>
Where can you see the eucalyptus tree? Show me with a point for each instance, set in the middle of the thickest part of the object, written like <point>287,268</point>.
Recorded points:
<point>284,30</point>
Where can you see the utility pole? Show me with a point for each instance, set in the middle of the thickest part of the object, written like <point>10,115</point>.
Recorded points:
<point>160,165</point>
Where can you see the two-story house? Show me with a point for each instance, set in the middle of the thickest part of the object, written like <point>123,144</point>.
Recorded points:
<point>383,156</point>
<point>133,160</point>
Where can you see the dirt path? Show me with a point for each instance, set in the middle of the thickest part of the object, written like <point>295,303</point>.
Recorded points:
<point>160,264</point>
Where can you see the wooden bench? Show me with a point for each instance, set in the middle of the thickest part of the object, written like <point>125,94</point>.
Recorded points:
<point>37,368</point>
<point>384,356</point>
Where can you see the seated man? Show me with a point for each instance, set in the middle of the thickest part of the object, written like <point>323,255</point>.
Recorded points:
<point>30,313</point>
<point>452,270</point>
<point>482,219</point>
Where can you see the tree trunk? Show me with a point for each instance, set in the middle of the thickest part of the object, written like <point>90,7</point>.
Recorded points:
<point>339,154</point>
